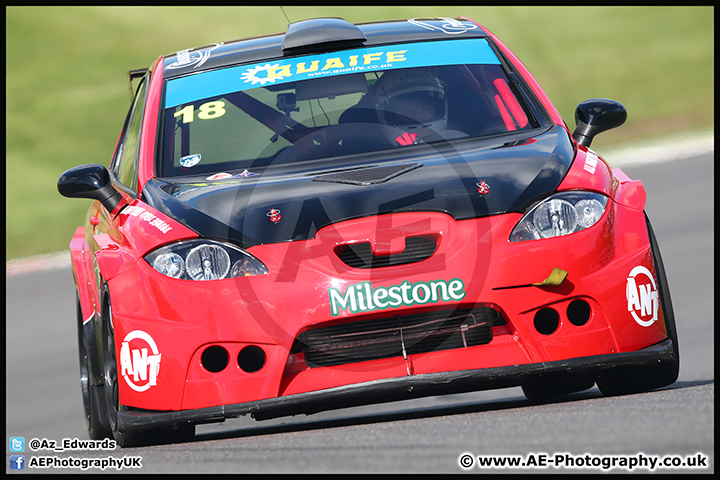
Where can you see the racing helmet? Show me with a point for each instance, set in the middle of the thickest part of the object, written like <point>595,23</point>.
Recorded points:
<point>412,99</point>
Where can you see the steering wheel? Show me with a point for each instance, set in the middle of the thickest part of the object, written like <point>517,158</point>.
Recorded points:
<point>348,138</point>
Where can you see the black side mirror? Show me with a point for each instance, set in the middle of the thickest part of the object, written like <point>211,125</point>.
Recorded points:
<point>89,181</point>
<point>595,116</point>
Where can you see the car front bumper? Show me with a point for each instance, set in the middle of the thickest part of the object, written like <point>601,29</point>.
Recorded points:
<point>167,330</point>
<point>396,389</point>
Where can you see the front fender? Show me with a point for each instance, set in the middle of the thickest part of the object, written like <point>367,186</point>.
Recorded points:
<point>111,258</point>
<point>630,193</point>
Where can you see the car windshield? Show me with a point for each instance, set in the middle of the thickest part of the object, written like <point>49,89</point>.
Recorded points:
<point>342,103</point>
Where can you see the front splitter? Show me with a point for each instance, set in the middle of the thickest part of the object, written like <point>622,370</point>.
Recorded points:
<point>394,389</point>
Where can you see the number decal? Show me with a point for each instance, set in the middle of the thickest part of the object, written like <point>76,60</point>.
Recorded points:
<point>211,110</point>
<point>187,114</point>
<point>207,111</point>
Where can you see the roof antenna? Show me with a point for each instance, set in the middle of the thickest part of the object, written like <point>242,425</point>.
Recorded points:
<point>283,10</point>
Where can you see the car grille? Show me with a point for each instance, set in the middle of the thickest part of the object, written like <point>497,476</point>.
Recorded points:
<point>360,255</point>
<point>390,336</point>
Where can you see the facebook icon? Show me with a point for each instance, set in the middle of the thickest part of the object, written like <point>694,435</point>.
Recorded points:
<point>17,462</point>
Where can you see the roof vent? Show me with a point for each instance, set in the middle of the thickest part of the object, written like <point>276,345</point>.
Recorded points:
<point>317,33</point>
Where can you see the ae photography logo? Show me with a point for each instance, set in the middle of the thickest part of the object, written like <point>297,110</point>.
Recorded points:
<point>361,295</point>
<point>587,461</point>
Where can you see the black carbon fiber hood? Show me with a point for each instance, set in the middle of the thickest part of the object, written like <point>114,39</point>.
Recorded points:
<point>307,196</point>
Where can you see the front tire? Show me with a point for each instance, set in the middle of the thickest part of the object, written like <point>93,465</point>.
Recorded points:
<point>93,404</point>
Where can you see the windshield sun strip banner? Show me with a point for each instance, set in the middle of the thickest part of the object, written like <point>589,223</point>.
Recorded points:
<point>360,60</point>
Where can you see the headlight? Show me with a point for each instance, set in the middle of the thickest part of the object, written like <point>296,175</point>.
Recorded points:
<point>207,262</point>
<point>560,214</point>
<point>204,260</point>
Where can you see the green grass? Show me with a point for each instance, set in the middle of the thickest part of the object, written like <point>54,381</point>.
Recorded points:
<point>67,91</point>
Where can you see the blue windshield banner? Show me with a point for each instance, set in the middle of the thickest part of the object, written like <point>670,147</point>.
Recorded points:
<point>191,88</point>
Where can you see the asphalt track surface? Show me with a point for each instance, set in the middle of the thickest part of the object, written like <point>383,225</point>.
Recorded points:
<point>421,436</point>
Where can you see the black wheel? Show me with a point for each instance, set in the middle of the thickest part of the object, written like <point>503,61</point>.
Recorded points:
<point>556,385</point>
<point>641,378</point>
<point>95,414</point>
<point>180,433</point>
<point>110,385</point>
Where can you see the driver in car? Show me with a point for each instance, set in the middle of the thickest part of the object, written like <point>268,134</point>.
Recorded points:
<point>412,100</point>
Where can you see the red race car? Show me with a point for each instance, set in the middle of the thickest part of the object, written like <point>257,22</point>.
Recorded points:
<point>350,214</point>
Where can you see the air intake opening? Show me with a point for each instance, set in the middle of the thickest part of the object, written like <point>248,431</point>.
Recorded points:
<point>578,312</point>
<point>214,359</point>
<point>547,321</point>
<point>316,34</point>
<point>367,175</point>
<point>360,255</point>
<point>251,358</point>
<point>389,336</point>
